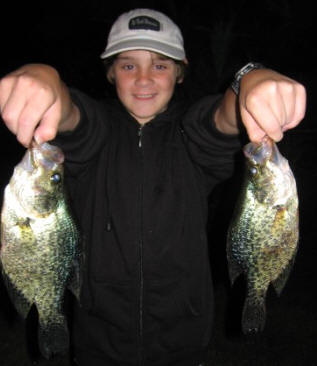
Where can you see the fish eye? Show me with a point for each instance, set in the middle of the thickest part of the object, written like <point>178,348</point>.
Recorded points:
<point>254,171</point>
<point>56,178</point>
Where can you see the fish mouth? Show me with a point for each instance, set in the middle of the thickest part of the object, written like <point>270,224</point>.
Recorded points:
<point>276,156</point>
<point>27,163</point>
<point>45,155</point>
<point>260,152</point>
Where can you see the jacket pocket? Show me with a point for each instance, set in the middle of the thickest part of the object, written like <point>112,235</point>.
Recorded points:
<point>174,320</point>
<point>109,327</point>
<point>114,304</point>
<point>172,300</point>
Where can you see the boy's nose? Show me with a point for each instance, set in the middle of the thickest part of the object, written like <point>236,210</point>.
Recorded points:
<point>144,77</point>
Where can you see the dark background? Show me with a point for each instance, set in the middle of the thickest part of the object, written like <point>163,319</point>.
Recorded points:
<point>220,37</point>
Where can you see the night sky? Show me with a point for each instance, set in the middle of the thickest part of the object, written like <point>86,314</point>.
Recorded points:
<point>220,37</point>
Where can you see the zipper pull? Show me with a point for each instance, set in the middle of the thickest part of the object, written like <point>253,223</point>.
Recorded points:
<point>140,135</point>
<point>109,224</point>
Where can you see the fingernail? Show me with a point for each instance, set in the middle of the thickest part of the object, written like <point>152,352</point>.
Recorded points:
<point>37,139</point>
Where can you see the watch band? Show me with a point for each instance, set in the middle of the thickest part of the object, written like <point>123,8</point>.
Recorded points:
<point>235,85</point>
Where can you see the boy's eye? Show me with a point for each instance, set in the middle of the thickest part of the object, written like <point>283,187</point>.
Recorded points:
<point>160,67</point>
<point>128,67</point>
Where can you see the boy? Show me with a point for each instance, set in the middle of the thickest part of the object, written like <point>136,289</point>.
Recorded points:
<point>139,172</point>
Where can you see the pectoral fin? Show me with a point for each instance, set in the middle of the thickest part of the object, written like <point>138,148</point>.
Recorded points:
<point>281,280</point>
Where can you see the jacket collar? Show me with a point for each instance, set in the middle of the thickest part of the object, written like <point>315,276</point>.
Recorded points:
<point>175,110</point>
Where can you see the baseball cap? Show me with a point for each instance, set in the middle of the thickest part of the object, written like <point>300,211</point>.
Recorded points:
<point>145,29</point>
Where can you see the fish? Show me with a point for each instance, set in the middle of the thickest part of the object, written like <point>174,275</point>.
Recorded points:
<point>40,252</point>
<point>262,238</point>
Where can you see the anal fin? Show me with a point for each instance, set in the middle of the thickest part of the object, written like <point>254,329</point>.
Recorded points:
<point>235,270</point>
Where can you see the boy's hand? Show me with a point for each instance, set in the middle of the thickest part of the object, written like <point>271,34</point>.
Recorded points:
<point>270,104</point>
<point>34,102</point>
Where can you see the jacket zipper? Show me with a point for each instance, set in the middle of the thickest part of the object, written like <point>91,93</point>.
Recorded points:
<point>140,135</point>
<point>141,355</point>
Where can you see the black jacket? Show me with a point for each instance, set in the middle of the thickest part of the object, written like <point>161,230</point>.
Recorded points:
<point>141,199</point>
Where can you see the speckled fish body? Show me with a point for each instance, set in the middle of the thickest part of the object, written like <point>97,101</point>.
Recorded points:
<point>40,253</point>
<point>263,235</point>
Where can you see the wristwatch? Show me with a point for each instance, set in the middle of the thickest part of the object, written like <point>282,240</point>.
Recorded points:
<point>235,85</point>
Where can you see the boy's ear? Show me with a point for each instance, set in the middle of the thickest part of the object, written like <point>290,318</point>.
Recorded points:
<point>180,75</point>
<point>179,79</point>
<point>110,75</point>
<point>181,70</point>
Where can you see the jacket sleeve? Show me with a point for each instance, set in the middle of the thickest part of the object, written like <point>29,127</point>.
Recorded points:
<point>85,142</point>
<point>213,151</point>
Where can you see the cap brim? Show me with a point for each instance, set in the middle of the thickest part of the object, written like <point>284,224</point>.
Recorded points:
<point>145,44</point>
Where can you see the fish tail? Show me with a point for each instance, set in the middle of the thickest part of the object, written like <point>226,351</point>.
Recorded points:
<point>53,338</point>
<point>254,315</point>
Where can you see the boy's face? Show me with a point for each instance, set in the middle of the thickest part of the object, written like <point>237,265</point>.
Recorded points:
<point>144,82</point>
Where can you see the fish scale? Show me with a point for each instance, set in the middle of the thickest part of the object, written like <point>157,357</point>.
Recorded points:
<point>40,247</point>
<point>263,234</point>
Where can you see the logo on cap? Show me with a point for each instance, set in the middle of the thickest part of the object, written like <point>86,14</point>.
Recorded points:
<point>144,22</point>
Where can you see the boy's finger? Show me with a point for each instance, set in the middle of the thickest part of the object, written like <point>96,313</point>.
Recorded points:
<point>47,129</point>
<point>260,122</point>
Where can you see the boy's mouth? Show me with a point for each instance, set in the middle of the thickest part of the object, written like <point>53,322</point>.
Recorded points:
<point>145,96</point>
